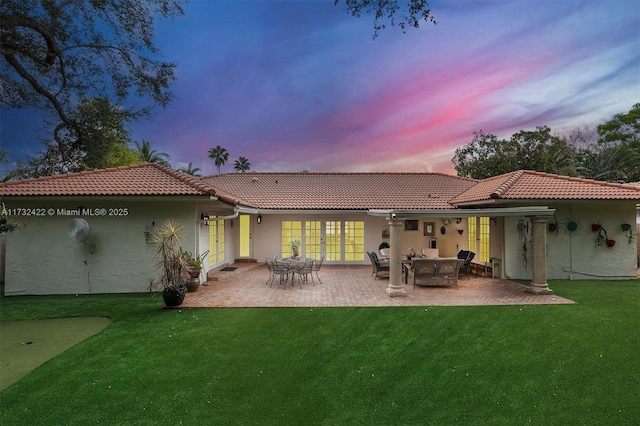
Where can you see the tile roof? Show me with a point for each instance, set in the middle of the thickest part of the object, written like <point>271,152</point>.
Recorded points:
<point>323,191</point>
<point>531,185</point>
<point>140,179</point>
<point>343,191</point>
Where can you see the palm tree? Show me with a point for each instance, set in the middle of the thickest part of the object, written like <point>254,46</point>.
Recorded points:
<point>242,165</point>
<point>193,171</point>
<point>149,155</point>
<point>219,155</point>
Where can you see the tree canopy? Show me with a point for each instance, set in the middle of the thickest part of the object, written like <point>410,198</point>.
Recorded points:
<point>242,165</point>
<point>403,14</point>
<point>219,155</point>
<point>58,54</point>
<point>613,156</point>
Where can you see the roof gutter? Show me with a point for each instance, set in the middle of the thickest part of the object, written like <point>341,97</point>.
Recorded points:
<point>505,211</point>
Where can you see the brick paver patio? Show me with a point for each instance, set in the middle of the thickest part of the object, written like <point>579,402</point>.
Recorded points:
<point>351,286</point>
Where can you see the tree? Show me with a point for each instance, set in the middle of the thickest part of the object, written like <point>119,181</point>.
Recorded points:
<point>487,156</point>
<point>193,171</point>
<point>146,154</point>
<point>622,128</point>
<point>120,155</point>
<point>58,53</point>
<point>219,155</point>
<point>614,163</point>
<point>242,165</point>
<point>401,13</point>
<point>620,137</point>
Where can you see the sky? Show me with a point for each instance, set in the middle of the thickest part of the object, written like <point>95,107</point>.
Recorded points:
<point>303,86</point>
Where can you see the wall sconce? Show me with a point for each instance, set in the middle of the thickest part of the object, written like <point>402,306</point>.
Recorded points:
<point>460,231</point>
<point>259,219</point>
<point>494,220</point>
<point>458,220</point>
<point>204,218</point>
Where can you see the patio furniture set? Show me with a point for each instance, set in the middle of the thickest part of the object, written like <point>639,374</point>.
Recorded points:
<point>292,268</point>
<point>434,271</point>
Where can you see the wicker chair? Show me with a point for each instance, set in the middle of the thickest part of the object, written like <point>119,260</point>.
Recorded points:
<point>380,269</point>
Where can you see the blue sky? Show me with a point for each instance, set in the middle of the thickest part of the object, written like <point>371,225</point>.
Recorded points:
<point>301,85</point>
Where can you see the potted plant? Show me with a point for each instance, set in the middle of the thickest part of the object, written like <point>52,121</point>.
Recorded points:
<point>194,267</point>
<point>169,261</point>
<point>295,247</point>
<point>611,243</point>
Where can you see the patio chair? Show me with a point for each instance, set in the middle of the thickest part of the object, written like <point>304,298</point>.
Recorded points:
<point>303,270</point>
<point>281,270</point>
<point>380,269</point>
<point>467,256</point>
<point>316,267</point>
<point>269,264</point>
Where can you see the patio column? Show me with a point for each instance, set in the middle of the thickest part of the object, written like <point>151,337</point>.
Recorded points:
<point>539,248</point>
<point>395,287</point>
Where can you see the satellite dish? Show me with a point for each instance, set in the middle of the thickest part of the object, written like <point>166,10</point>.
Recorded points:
<point>79,230</point>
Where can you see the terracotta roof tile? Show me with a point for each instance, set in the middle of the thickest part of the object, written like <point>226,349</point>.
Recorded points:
<point>530,185</point>
<point>343,191</point>
<point>141,179</point>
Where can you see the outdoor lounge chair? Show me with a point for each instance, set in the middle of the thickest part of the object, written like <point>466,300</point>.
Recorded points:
<point>380,269</point>
<point>467,256</point>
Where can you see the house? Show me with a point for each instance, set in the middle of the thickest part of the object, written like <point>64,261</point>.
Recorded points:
<point>523,225</point>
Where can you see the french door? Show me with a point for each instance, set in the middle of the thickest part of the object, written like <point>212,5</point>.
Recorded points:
<point>337,241</point>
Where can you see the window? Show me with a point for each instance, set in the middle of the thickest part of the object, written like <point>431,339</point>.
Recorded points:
<point>216,241</point>
<point>313,239</point>
<point>472,234</point>
<point>484,239</point>
<point>353,240</point>
<point>291,229</point>
<point>479,242</point>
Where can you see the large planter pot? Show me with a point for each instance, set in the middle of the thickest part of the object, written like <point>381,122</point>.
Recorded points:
<point>192,285</point>
<point>174,296</point>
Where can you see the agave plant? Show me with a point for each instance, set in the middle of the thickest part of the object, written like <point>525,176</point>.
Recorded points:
<point>173,269</point>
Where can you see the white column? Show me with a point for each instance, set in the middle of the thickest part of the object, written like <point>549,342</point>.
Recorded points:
<point>395,287</point>
<point>539,247</point>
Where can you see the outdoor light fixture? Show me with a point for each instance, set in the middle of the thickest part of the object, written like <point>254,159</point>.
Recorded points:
<point>204,217</point>
<point>259,219</point>
<point>460,231</point>
<point>458,220</point>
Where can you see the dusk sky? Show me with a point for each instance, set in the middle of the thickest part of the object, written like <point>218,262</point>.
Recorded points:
<point>301,85</point>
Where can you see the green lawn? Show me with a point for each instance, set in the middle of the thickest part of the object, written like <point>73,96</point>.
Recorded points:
<point>512,365</point>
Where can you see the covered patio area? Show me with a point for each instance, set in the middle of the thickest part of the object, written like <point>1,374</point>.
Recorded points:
<point>351,286</point>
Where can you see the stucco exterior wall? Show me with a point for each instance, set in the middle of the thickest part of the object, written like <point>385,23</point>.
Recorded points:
<point>266,236</point>
<point>575,255</point>
<point>42,259</point>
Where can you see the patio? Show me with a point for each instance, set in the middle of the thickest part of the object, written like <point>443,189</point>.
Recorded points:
<point>350,286</point>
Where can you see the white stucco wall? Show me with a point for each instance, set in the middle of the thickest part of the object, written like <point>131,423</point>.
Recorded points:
<point>41,259</point>
<point>576,256</point>
<point>266,236</point>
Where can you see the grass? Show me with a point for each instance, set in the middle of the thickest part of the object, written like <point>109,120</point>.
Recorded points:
<point>550,364</point>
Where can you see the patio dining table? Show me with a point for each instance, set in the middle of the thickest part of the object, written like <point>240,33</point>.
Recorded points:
<point>294,264</point>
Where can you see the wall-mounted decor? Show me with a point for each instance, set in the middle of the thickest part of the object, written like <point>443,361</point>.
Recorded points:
<point>572,225</point>
<point>386,234</point>
<point>429,229</point>
<point>411,225</point>
<point>602,238</point>
<point>626,227</point>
